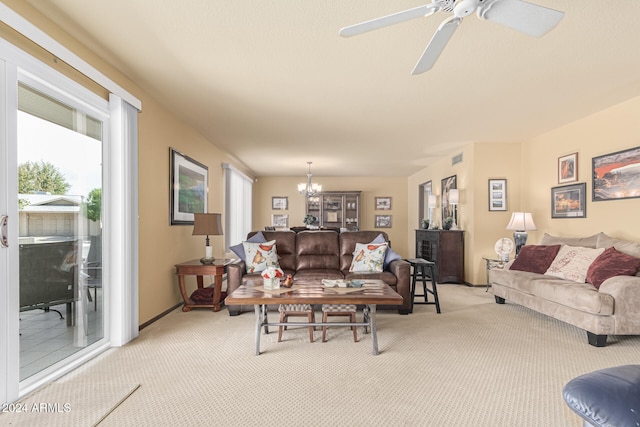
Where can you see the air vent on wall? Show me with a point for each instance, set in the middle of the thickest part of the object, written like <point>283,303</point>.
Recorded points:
<point>456,159</point>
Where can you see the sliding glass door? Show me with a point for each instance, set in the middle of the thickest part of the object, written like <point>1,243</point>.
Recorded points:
<point>59,148</point>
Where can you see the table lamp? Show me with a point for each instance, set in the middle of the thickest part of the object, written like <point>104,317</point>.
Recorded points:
<point>521,222</point>
<point>207,224</point>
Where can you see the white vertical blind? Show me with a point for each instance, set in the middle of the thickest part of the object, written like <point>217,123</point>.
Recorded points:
<point>238,196</point>
<point>122,192</point>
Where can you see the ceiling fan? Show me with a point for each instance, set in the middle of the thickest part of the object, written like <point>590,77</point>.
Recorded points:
<point>516,14</point>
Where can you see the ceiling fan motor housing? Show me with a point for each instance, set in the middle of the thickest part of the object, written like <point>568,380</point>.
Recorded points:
<point>465,8</point>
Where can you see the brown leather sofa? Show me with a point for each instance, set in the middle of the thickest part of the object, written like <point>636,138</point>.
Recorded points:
<point>311,256</point>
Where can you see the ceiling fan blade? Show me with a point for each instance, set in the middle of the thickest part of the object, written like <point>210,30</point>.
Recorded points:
<point>521,16</point>
<point>385,21</point>
<point>436,45</point>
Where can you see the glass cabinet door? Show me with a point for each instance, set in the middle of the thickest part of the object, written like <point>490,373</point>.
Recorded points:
<point>332,215</point>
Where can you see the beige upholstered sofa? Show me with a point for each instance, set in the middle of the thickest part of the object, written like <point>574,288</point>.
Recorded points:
<point>613,308</point>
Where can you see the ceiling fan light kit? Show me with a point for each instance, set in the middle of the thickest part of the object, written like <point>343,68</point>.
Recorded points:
<point>519,15</point>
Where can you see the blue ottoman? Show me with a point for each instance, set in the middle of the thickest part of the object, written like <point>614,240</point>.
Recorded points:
<point>608,397</point>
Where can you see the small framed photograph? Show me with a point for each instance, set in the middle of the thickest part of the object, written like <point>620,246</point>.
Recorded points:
<point>279,203</point>
<point>383,203</point>
<point>568,168</point>
<point>280,221</point>
<point>189,188</point>
<point>615,175</point>
<point>569,201</point>
<point>383,221</point>
<point>497,194</point>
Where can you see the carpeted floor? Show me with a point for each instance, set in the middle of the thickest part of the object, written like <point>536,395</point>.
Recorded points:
<point>478,363</point>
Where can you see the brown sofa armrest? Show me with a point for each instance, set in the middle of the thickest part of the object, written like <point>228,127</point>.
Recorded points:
<point>402,270</point>
<point>235,271</point>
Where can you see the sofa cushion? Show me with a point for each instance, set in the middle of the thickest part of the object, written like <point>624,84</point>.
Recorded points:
<point>368,257</point>
<point>586,242</point>
<point>535,258</point>
<point>317,250</point>
<point>239,249</point>
<point>572,263</point>
<point>348,241</point>
<point>386,276</point>
<point>611,263</point>
<point>624,246</point>
<point>286,247</point>
<point>580,296</point>
<point>260,255</point>
<point>391,255</point>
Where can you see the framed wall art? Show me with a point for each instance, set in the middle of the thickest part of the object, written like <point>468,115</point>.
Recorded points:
<point>616,175</point>
<point>383,203</point>
<point>280,221</point>
<point>497,194</point>
<point>568,168</point>
<point>449,183</point>
<point>569,201</point>
<point>383,221</point>
<point>188,188</point>
<point>279,203</point>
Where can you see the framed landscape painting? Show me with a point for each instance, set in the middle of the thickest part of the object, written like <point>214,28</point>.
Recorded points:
<point>569,201</point>
<point>188,192</point>
<point>616,175</point>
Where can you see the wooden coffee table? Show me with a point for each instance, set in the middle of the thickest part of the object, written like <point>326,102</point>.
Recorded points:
<point>372,293</point>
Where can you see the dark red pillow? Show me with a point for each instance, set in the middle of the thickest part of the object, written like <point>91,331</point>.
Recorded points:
<point>611,263</point>
<point>535,258</point>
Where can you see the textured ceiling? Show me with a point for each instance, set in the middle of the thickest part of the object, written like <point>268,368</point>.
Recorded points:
<point>271,82</point>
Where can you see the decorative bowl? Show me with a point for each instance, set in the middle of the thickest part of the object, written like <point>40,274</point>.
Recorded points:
<point>328,283</point>
<point>356,283</point>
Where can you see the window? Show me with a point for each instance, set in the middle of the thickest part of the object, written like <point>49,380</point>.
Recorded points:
<point>238,190</point>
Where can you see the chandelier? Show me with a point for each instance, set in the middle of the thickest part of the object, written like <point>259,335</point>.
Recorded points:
<point>307,188</point>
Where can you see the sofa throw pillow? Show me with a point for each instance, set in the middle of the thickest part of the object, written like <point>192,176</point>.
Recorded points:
<point>587,242</point>
<point>260,255</point>
<point>368,257</point>
<point>239,249</point>
<point>535,258</point>
<point>390,256</point>
<point>572,263</point>
<point>611,263</point>
<point>624,246</point>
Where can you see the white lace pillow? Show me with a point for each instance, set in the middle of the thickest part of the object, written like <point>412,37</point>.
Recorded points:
<point>368,257</point>
<point>259,256</point>
<point>572,263</point>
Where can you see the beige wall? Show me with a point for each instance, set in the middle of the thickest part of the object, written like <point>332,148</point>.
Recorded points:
<point>161,245</point>
<point>371,187</point>
<point>530,168</point>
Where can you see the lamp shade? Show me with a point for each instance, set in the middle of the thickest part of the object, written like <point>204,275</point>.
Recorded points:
<point>453,196</point>
<point>521,221</point>
<point>207,224</point>
<point>431,203</point>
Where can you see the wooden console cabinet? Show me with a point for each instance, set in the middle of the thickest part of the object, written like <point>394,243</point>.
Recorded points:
<point>446,249</point>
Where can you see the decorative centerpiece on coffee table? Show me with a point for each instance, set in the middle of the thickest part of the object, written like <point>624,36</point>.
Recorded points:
<point>271,277</point>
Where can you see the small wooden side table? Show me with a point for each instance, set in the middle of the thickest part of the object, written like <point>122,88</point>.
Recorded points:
<point>196,268</point>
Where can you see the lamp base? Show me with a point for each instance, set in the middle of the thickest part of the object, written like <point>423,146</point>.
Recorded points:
<point>207,260</point>
<point>520,239</point>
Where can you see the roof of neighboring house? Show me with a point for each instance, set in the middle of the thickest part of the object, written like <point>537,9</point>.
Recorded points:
<point>51,203</point>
